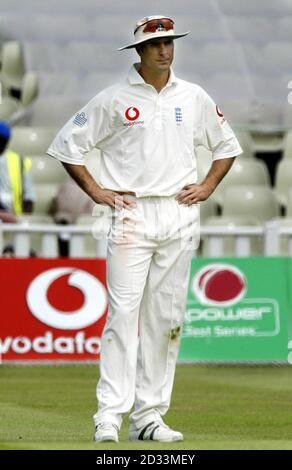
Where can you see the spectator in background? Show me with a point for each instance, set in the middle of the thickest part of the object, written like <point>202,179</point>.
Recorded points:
<point>69,203</point>
<point>16,186</point>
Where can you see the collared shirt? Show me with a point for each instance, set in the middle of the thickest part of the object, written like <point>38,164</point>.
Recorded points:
<point>147,139</point>
<point>6,193</point>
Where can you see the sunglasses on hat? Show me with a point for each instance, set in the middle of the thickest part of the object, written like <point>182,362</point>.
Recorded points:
<point>164,24</point>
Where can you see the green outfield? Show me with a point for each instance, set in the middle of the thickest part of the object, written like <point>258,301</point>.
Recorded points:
<point>215,407</point>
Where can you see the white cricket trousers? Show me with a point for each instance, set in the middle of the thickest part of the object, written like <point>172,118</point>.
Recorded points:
<point>149,251</point>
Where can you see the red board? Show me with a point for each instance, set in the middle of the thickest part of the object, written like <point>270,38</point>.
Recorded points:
<point>52,309</point>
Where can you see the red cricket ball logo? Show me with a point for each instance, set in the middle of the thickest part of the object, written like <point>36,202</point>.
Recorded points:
<point>219,284</point>
<point>132,114</point>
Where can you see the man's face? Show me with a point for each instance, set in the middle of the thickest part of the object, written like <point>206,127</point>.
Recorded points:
<point>157,54</point>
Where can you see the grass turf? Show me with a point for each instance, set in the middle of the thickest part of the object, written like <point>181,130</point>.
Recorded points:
<point>50,407</point>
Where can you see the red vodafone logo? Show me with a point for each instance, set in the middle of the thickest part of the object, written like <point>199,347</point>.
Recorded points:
<point>67,298</point>
<point>219,284</point>
<point>132,114</point>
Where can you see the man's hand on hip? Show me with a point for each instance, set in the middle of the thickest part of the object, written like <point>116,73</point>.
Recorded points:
<point>84,179</point>
<point>113,199</point>
<point>193,193</point>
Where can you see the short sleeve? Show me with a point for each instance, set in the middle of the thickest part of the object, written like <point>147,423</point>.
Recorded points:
<point>83,132</point>
<point>217,135</point>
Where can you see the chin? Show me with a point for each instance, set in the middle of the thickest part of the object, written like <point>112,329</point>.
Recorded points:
<point>164,66</point>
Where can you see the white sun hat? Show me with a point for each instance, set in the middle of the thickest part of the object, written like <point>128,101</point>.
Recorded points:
<point>152,27</point>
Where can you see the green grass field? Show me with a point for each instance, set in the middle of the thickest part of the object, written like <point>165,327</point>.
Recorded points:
<point>215,407</point>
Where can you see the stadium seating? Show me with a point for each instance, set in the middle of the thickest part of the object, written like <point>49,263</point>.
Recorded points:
<point>54,111</point>
<point>208,209</point>
<point>60,28</point>
<point>232,86</point>
<point>248,7</point>
<point>31,140</point>
<point>277,56</point>
<point>254,57</point>
<point>90,243</point>
<point>267,88</point>
<point>229,241</point>
<point>287,144</point>
<point>214,58</point>
<point>29,88</point>
<point>12,26</point>
<point>45,193</point>
<point>95,82</point>
<point>47,170</point>
<point>55,83</point>
<point>107,28</point>
<point>201,34</point>
<point>246,143</point>
<point>3,87</point>
<point>259,203</point>
<point>287,118</point>
<point>35,238</point>
<point>283,28</point>
<point>44,56</point>
<point>283,180</point>
<point>284,222</point>
<point>103,57</point>
<point>8,107</point>
<point>244,28</point>
<point>13,68</point>
<point>289,204</point>
<point>244,171</point>
<point>240,52</point>
<point>237,112</point>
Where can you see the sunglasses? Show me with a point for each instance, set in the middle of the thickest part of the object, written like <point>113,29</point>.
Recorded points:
<point>164,24</point>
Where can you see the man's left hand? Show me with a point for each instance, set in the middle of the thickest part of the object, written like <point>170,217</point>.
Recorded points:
<point>193,193</point>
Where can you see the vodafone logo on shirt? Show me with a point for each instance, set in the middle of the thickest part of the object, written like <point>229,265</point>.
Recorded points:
<point>57,312</point>
<point>220,114</point>
<point>132,115</point>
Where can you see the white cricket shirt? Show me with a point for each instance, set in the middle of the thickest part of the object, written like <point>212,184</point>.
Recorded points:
<point>147,139</point>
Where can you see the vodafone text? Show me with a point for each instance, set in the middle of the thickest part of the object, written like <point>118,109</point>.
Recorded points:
<point>47,344</point>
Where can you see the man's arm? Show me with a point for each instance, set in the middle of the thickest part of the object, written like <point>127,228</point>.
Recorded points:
<point>193,193</point>
<point>84,179</point>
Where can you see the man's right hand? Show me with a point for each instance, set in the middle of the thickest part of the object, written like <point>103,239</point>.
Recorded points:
<point>113,199</point>
<point>84,179</point>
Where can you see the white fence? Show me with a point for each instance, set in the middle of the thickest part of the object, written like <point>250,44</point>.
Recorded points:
<point>271,235</point>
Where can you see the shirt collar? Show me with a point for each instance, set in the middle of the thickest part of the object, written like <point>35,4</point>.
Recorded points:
<point>135,78</point>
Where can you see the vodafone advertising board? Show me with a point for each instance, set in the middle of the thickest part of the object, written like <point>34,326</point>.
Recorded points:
<point>52,309</point>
